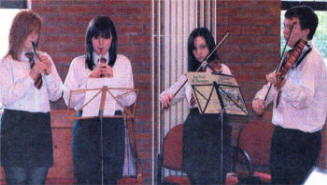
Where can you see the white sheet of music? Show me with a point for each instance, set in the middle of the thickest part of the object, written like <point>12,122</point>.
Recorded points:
<point>92,108</point>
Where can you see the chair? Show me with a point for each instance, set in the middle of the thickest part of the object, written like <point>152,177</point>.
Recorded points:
<point>253,150</point>
<point>171,158</point>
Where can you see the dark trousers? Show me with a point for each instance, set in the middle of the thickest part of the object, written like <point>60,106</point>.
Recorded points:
<point>202,148</point>
<point>26,176</point>
<point>293,154</point>
<point>90,167</point>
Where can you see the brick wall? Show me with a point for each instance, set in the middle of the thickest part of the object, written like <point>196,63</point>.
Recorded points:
<point>65,23</point>
<point>252,50</point>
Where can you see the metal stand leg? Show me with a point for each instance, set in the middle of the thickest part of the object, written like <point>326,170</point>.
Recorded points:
<point>102,147</point>
<point>222,147</point>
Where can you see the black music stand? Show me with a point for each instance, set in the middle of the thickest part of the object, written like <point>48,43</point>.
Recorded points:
<point>218,94</point>
<point>129,115</point>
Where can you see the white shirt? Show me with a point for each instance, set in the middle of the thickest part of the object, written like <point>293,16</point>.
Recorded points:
<point>17,89</point>
<point>186,91</point>
<point>78,75</point>
<point>303,99</point>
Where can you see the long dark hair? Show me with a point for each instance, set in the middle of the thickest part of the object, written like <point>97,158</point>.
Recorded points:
<point>104,27</point>
<point>24,23</point>
<point>193,63</point>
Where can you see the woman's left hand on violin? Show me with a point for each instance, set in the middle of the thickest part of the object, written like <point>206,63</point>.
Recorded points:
<point>276,79</point>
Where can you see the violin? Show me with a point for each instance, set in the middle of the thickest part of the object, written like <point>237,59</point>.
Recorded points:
<point>291,57</point>
<point>214,67</point>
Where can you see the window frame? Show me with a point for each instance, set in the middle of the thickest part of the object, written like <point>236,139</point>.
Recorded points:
<point>16,4</point>
<point>315,5</point>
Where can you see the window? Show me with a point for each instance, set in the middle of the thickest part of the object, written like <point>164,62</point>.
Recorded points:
<point>7,17</point>
<point>320,8</point>
<point>8,10</point>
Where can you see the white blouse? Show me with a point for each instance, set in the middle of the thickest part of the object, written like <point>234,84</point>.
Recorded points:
<point>78,76</point>
<point>17,89</point>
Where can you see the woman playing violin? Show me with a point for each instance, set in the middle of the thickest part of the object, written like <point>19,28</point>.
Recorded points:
<point>300,102</point>
<point>26,139</point>
<point>201,133</point>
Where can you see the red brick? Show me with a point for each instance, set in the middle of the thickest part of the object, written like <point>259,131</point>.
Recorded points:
<point>256,11</point>
<point>233,29</point>
<point>242,40</point>
<point>82,19</point>
<point>253,30</point>
<point>132,50</point>
<point>59,19</point>
<point>136,11</point>
<point>140,39</point>
<point>226,48</point>
<point>71,28</point>
<point>244,20</point>
<point>266,39</point>
<point>266,20</point>
<point>244,3</point>
<point>72,48</point>
<point>139,19</point>
<point>130,29</point>
<point>274,30</point>
<point>45,9</point>
<point>59,38</point>
<point>254,50</point>
<point>227,11</point>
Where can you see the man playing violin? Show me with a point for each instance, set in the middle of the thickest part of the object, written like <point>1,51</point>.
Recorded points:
<point>300,102</point>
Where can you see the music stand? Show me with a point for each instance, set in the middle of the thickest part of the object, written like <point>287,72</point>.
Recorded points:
<point>217,94</point>
<point>128,115</point>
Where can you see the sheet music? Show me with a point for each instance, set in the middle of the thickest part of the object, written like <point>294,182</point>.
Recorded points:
<point>205,94</point>
<point>211,101</point>
<point>196,78</point>
<point>232,100</point>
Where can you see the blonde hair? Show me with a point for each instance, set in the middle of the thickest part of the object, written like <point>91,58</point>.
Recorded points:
<point>24,23</point>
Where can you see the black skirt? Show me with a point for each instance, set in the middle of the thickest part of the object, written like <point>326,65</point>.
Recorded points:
<point>26,139</point>
<point>202,147</point>
<point>87,151</point>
